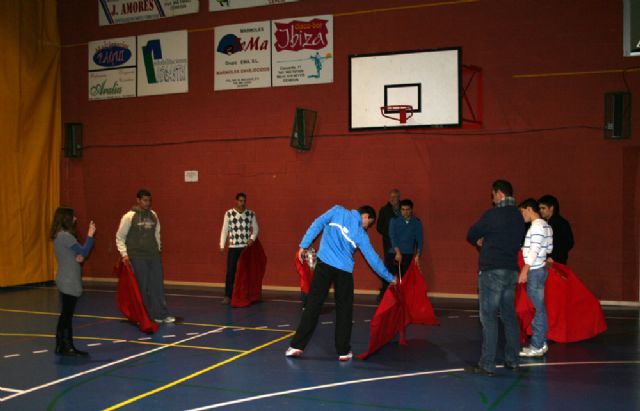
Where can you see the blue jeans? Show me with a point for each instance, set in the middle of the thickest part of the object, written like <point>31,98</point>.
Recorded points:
<point>535,289</point>
<point>497,295</point>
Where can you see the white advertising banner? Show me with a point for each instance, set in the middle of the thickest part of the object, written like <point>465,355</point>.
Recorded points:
<point>242,56</point>
<point>163,66</point>
<point>128,11</point>
<point>302,51</point>
<point>222,5</point>
<point>112,68</point>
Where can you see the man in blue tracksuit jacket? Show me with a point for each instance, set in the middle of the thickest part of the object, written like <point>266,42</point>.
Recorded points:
<point>344,232</point>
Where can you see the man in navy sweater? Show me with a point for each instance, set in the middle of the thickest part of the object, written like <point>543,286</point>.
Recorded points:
<point>498,234</point>
<point>344,231</point>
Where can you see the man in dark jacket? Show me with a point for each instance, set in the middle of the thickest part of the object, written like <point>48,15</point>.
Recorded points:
<point>388,212</point>
<point>562,234</point>
<point>498,234</point>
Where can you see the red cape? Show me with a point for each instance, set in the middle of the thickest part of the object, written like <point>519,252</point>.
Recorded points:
<point>129,299</point>
<point>247,288</point>
<point>401,305</point>
<point>573,312</point>
<point>304,273</point>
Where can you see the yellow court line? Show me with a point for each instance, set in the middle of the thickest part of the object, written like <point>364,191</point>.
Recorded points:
<point>198,347</point>
<point>413,6</point>
<point>104,317</point>
<point>575,73</point>
<point>196,374</point>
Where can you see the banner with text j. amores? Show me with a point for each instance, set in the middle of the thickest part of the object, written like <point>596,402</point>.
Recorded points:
<point>302,51</point>
<point>128,11</point>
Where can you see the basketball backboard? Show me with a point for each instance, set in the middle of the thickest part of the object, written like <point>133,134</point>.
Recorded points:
<point>427,80</point>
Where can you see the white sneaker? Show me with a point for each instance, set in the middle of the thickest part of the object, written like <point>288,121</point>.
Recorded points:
<point>532,352</point>
<point>545,348</point>
<point>293,352</point>
<point>346,357</point>
<point>157,320</point>
<point>169,319</point>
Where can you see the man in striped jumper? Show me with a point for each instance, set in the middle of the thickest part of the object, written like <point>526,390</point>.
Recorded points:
<point>241,228</point>
<point>538,243</point>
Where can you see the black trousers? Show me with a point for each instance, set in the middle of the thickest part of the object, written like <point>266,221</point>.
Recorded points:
<point>390,263</point>
<point>68,303</point>
<point>323,276</point>
<point>232,265</point>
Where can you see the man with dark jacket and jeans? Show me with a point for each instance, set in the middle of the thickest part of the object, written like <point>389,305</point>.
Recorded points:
<point>344,231</point>
<point>498,234</point>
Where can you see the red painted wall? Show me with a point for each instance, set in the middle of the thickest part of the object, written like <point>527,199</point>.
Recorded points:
<point>542,133</point>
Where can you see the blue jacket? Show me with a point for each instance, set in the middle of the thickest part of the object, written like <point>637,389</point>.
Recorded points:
<point>343,234</point>
<point>406,235</point>
<point>502,229</point>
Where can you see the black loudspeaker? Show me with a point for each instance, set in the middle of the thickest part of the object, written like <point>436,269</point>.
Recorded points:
<point>304,124</point>
<point>73,140</point>
<point>617,115</point>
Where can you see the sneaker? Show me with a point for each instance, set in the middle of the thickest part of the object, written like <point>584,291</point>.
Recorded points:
<point>346,357</point>
<point>226,301</point>
<point>169,319</point>
<point>157,320</point>
<point>293,352</point>
<point>531,351</point>
<point>545,348</point>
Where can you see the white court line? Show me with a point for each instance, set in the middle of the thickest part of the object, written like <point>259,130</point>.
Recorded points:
<point>326,322</point>
<point>9,389</point>
<point>39,351</point>
<point>144,338</point>
<point>94,344</point>
<point>193,333</point>
<point>387,377</point>
<point>169,336</point>
<point>118,341</point>
<point>284,325</point>
<point>12,355</point>
<point>107,365</point>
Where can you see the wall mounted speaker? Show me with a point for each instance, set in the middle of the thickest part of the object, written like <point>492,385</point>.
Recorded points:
<point>73,140</point>
<point>617,115</point>
<point>304,124</point>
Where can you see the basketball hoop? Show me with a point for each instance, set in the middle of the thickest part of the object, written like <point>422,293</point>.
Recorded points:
<point>400,110</point>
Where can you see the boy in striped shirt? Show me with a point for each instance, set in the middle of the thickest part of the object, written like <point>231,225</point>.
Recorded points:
<point>538,243</point>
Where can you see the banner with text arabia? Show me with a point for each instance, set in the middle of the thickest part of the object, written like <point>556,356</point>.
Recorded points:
<point>112,68</point>
<point>163,66</point>
<point>302,51</point>
<point>242,56</point>
<point>129,11</point>
<point>223,5</point>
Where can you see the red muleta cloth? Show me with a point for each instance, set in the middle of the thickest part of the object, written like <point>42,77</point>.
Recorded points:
<point>247,287</point>
<point>573,312</point>
<point>304,273</point>
<point>401,305</point>
<point>129,299</point>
